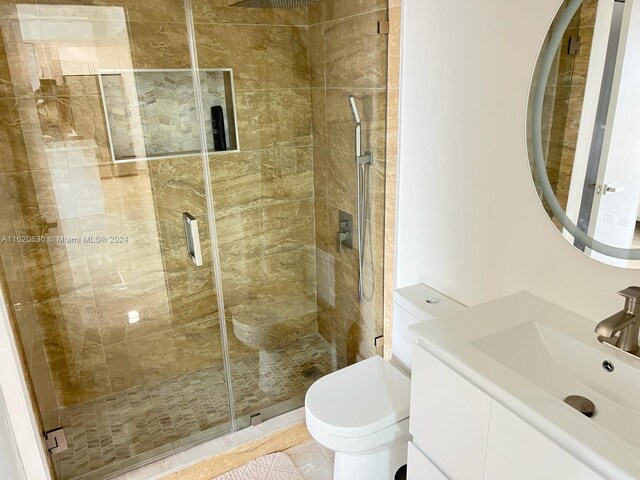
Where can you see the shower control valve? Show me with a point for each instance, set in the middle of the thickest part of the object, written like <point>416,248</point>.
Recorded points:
<point>345,230</point>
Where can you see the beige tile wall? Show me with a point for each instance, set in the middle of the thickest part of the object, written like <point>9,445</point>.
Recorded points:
<point>17,183</point>
<point>293,72</point>
<point>22,308</point>
<point>263,195</point>
<point>83,296</point>
<point>348,57</point>
<point>393,69</point>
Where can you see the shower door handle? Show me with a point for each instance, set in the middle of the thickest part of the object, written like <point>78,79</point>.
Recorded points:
<point>193,238</point>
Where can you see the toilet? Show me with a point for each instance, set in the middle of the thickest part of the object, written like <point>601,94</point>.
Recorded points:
<point>362,412</point>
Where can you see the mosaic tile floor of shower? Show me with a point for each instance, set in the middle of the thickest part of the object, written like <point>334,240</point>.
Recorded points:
<point>120,426</point>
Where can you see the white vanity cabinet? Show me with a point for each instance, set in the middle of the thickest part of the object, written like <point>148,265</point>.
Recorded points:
<point>449,418</point>
<point>461,433</point>
<point>517,450</point>
<point>419,466</point>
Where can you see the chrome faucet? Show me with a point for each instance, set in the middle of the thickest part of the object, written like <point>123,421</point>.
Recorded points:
<point>625,323</point>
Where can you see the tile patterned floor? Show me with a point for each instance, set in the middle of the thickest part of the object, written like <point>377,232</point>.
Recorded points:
<point>120,426</point>
<point>313,461</point>
<point>275,466</point>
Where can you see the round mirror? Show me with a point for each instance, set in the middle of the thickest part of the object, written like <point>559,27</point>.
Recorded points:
<point>584,128</point>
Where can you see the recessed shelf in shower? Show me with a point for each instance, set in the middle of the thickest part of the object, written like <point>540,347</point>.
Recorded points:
<point>151,113</point>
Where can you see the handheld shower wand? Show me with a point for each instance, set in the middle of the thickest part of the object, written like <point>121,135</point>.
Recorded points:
<point>356,118</point>
<point>362,164</point>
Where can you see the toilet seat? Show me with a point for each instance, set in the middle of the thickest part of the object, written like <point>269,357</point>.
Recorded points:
<point>360,400</point>
<point>391,435</point>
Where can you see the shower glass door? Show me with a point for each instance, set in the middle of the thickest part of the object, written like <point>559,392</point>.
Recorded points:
<point>111,285</point>
<point>292,312</point>
<point>168,246</point>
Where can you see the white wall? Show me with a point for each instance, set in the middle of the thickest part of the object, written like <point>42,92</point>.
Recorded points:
<point>10,461</point>
<point>22,454</point>
<point>469,220</point>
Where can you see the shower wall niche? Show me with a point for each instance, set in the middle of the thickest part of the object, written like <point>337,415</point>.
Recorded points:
<point>151,113</point>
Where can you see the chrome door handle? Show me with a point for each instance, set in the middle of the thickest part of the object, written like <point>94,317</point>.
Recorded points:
<point>605,189</point>
<point>611,189</point>
<point>193,238</point>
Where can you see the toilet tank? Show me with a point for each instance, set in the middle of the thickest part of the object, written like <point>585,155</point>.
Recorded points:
<point>414,304</point>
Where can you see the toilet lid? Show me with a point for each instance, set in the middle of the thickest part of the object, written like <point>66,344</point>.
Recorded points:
<point>359,400</point>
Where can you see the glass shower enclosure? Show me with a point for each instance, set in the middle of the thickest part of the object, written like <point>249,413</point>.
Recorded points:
<point>171,178</point>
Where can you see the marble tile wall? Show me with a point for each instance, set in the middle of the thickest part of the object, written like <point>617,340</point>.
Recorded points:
<point>22,308</point>
<point>16,183</point>
<point>348,57</point>
<point>110,317</point>
<point>53,143</point>
<point>263,195</point>
<point>393,92</point>
<point>99,319</point>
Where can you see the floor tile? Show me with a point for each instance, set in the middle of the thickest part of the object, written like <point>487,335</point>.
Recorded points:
<point>120,426</point>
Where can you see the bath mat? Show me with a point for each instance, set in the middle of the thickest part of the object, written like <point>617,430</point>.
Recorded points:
<point>275,466</point>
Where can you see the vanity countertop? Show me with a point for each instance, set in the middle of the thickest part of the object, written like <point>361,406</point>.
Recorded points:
<point>529,355</point>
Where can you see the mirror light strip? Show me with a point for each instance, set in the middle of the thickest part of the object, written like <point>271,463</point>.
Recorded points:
<point>546,63</point>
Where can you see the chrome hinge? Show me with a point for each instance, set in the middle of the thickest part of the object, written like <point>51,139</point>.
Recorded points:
<point>366,159</point>
<point>255,419</point>
<point>378,341</point>
<point>56,440</point>
<point>574,45</point>
<point>383,27</point>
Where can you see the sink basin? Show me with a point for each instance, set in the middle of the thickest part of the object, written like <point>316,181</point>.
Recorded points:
<point>562,365</point>
<point>530,355</point>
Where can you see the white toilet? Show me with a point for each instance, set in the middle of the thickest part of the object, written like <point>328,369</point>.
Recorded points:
<point>362,412</point>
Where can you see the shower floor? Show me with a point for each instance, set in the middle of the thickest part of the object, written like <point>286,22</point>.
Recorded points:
<point>113,430</point>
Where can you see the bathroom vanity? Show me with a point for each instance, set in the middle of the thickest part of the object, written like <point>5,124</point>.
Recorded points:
<point>488,390</point>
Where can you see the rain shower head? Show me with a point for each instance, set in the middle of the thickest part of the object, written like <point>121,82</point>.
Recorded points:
<point>354,109</point>
<point>273,3</point>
